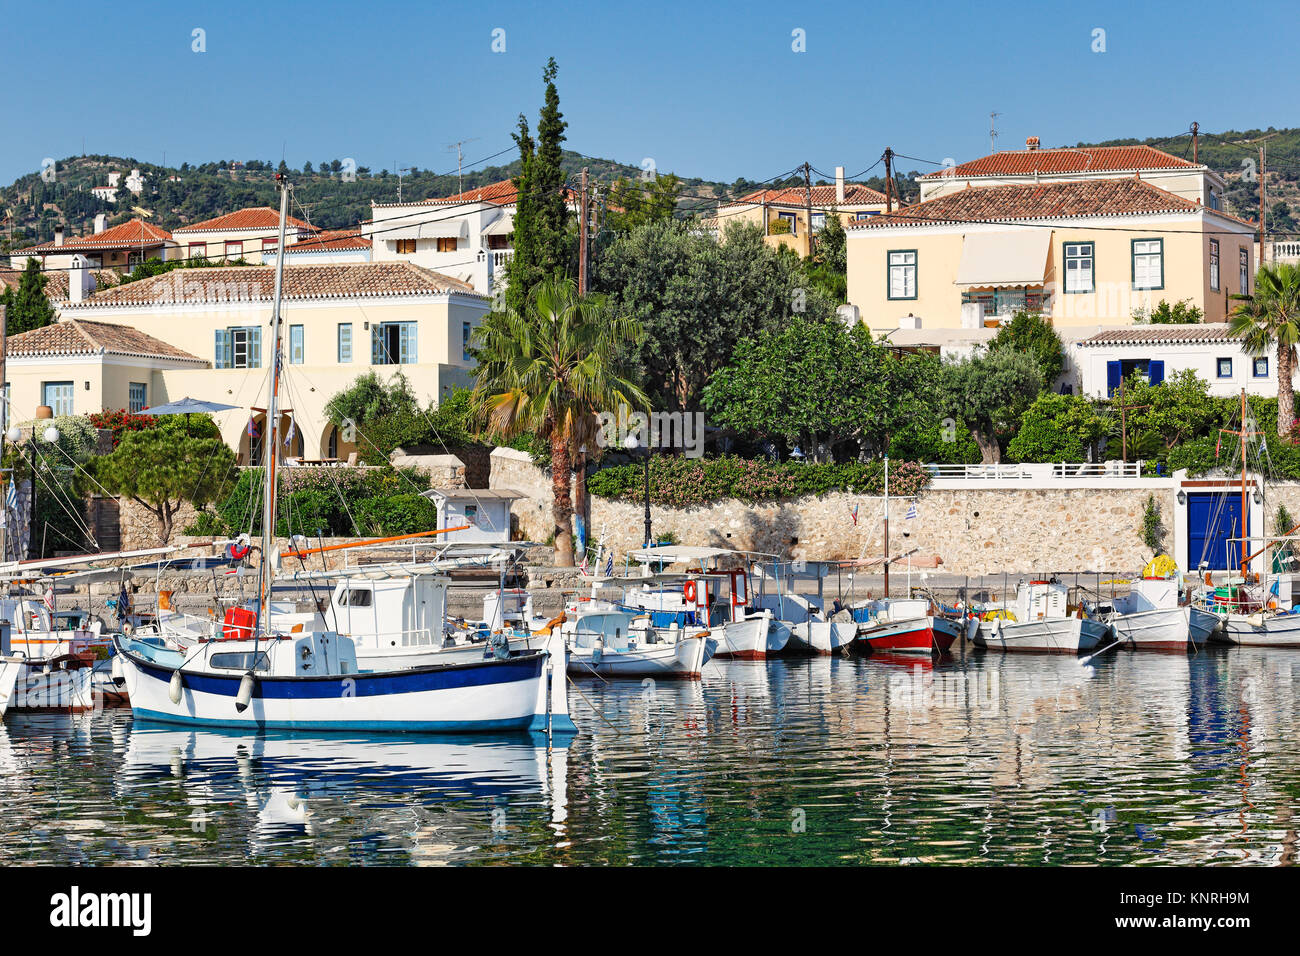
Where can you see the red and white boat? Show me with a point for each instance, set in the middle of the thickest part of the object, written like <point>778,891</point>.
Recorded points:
<point>903,627</point>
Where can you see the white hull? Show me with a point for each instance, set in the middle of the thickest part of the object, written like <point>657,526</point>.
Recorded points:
<point>521,693</point>
<point>44,687</point>
<point>747,640</point>
<point>1282,630</point>
<point>1061,635</point>
<point>9,671</point>
<point>682,658</point>
<point>1162,629</point>
<point>822,637</point>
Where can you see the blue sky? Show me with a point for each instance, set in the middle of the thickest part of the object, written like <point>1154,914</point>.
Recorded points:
<point>704,90</point>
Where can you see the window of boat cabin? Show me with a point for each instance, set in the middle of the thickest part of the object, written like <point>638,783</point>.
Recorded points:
<point>241,661</point>
<point>357,597</point>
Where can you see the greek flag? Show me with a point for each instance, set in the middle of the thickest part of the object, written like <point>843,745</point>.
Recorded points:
<point>609,565</point>
<point>11,504</point>
<point>911,511</point>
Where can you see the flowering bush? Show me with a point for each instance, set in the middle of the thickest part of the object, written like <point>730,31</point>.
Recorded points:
<point>683,482</point>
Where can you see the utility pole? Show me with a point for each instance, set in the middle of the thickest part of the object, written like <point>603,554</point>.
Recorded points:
<point>460,160</point>
<point>1196,142</point>
<point>889,179</point>
<point>993,133</point>
<point>807,201</point>
<point>582,235</point>
<point>1263,249</point>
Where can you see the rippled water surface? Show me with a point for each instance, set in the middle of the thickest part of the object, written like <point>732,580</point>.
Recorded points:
<point>1141,758</point>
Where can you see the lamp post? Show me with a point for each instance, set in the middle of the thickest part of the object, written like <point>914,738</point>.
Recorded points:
<point>631,444</point>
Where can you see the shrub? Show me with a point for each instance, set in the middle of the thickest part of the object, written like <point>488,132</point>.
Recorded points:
<point>684,482</point>
<point>398,514</point>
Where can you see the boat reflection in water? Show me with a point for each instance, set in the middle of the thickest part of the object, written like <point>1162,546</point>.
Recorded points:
<point>287,789</point>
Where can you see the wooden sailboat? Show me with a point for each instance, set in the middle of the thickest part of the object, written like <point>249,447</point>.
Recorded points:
<point>254,677</point>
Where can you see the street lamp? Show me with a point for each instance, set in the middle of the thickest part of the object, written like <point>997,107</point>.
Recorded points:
<point>631,444</point>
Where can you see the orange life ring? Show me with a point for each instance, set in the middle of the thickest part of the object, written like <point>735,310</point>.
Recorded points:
<point>689,592</point>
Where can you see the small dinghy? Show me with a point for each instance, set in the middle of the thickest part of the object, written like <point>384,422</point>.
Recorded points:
<point>611,643</point>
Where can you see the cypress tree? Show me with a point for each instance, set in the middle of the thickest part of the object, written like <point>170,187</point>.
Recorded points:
<point>28,307</point>
<point>543,246</point>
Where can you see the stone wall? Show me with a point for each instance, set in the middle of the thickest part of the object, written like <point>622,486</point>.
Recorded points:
<point>972,530</point>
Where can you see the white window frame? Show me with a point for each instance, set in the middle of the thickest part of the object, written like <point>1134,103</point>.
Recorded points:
<point>1148,257</point>
<point>901,271</point>
<point>1073,277</point>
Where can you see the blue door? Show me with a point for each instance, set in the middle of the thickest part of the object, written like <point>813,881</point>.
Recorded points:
<point>1211,520</point>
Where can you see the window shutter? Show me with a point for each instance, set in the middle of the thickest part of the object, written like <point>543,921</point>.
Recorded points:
<point>410,354</point>
<point>1113,377</point>
<point>219,349</point>
<point>255,347</point>
<point>1156,372</point>
<point>376,345</point>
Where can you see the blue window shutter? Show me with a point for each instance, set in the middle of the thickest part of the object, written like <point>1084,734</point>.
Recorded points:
<point>255,347</point>
<point>1156,372</point>
<point>376,345</point>
<point>412,355</point>
<point>219,351</point>
<point>1113,377</point>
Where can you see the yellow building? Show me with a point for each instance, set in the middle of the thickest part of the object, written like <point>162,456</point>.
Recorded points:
<point>339,321</point>
<point>782,214</point>
<point>1081,253</point>
<point>80,366</point>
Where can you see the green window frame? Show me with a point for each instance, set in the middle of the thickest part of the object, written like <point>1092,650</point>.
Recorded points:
<point>1080,263</point>
<point>1214,265</point>
<point>1243,260</point>
<point>1149,250</point>
<point>903,265</point>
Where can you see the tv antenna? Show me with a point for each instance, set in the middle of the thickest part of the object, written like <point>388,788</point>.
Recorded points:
<point>993,132</point>
<point>460,160</point>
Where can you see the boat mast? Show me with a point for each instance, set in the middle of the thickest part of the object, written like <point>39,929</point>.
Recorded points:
<point>266,571</point>
<point>1244,543</point>
<point>886,527</point>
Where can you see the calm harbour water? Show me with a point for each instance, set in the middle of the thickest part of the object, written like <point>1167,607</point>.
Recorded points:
<point>1140,759</point>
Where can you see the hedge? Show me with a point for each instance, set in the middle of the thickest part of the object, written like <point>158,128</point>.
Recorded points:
<point>683,482</point>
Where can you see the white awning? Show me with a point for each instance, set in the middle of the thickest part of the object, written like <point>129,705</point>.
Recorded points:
<point>442,229</point>
<point>1018,257</point>
<point>501,226</point>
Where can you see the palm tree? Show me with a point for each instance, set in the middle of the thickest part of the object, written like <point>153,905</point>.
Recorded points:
<point>544,368</point>
<point>1271,318</point>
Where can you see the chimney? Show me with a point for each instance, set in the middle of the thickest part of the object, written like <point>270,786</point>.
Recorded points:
<point>101,222</point>
<point>81,281</point>
<point>839,185</point>
<point>1031,143</point>
<point>58,235</point>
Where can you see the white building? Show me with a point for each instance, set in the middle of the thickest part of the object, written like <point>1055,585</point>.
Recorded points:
<point>328,247</point>
<point>1161,351</point>
<point>467,236</point>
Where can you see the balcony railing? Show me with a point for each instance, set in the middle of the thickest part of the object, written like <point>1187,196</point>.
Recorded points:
<point>1286,250</point>
<point>1036,472</point>
<point>501,256</point>
<point>1010,301</point>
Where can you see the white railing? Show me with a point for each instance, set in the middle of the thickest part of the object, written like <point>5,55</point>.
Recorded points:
<point>1032,472</point>
<point>501,256</point>
<point>1286,250</point>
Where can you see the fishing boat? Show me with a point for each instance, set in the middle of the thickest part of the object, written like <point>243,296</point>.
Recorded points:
<point>1249,609</point>
<point>611,643</point>
<point>711,595</point>
<point>903,626</point>
<point>256,676</point>
<point>1152,616</point>
<point>10,667</point>
<point>56,669</point>
<point>1040,621</point>
<point>801,611</point>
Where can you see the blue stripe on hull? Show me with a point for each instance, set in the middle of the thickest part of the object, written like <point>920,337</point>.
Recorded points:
<point>391,726</point>
<point>364,684</point>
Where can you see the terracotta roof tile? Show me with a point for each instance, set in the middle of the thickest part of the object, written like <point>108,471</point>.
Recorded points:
<point>1098,197</point>
<point>82,337</point>
<point>855,194</point>
<point>257,217</point>
<point>1066,159</point>
<point>134,234</point>
<point>330,240</point>
<point>1209,332</point>
<point>257,284</point>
